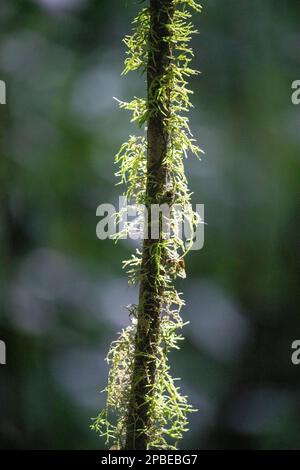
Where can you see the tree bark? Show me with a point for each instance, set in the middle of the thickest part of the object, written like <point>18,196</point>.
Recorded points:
<point>150,293</point>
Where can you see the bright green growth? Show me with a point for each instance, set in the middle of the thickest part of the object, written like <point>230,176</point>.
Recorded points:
<point>168,409</point>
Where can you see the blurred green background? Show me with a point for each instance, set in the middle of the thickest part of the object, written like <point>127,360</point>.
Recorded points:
<point>63,291</point>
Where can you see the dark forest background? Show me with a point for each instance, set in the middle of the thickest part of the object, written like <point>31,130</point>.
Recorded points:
<point>63,291</point>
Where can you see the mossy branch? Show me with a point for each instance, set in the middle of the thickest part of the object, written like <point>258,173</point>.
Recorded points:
<point>151,292</point>
<point>144,407</point>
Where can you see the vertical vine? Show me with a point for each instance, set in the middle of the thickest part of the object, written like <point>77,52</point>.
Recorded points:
<point>144,408</point>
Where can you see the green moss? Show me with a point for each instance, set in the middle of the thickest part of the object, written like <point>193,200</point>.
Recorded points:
<point>170,98</point>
